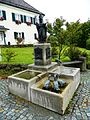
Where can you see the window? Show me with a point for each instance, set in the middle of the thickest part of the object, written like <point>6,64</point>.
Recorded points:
<point>17,18</point>
<point>2,15</point>
<point>19,35</point>
<point>34,20</point>
<point>28,19</point>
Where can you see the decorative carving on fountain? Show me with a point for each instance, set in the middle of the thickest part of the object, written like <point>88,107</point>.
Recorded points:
<point>54,83</point>
<point>48,54</point>
<point>38,53</point>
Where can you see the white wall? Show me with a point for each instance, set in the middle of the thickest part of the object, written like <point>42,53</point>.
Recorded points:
<point>8,23</point>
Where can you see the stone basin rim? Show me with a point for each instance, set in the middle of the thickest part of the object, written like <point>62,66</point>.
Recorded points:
<point>36,87</point>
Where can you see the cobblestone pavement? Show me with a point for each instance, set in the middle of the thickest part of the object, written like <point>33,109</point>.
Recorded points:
<point>14,108</point>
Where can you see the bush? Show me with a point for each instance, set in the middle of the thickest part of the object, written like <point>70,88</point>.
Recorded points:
<point>9,54</point>
<point>84,54</point>
<point>54,52</point>
<point>88,44</point>
<point>73,53</point>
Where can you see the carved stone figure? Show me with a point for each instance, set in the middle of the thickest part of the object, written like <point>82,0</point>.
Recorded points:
<point>42,30</point>
<point>54,83</point>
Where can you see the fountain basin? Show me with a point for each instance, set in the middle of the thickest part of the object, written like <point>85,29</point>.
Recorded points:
<point>67,72</point>
<point>57,102</point>
<point>19,84</point>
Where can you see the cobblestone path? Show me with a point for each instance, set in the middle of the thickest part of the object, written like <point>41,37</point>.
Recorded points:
<point>15,108</point>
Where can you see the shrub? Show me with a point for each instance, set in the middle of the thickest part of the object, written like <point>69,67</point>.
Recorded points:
<point>9,54</point>
<point>73,53</point>
<point>88,44</point>
<point>54,52</point>
<point>84,54</point>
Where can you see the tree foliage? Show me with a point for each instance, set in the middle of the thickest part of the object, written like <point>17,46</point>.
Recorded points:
<point>73,32</point>
<point>76,34</point>
<point>56,32</point>
<point>85,34</point>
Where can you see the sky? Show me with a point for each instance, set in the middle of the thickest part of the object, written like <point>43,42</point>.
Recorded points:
<point>71,10</point>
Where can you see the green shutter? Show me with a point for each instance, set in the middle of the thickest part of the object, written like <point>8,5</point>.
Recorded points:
<point>31,20</point>
<point>23,35</point>
<point>13,16</point>
<point>15,35</point>
<point>4,14</point>
<point>21,18</point>
<point>24,19</point>
<point>34,21</point>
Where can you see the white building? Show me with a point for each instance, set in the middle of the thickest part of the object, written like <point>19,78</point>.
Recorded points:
<point>17,22</point>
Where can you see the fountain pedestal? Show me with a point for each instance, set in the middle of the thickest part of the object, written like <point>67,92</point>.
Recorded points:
<point>42,54</point>
<point>42,58</point>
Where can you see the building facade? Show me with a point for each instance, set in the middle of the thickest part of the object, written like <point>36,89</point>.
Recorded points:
<point>17,22</point>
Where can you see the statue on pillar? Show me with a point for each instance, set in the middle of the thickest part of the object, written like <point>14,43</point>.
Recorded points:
<point>42,30</point>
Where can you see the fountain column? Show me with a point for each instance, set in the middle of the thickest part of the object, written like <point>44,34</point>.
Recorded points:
<point>42,54</point>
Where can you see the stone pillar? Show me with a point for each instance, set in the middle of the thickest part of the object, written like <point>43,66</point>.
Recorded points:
<point>42,54</point>
<point>83,66</point>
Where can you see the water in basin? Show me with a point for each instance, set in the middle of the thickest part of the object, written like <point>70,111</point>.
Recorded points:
<point>64,70</point>
<point>27,74</point>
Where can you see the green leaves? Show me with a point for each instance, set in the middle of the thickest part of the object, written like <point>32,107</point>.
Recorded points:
<point>56,31</point>
<point>9,54</point>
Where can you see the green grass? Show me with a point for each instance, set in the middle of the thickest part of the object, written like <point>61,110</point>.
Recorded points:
<point>23,55</point>
<point>26,56</point>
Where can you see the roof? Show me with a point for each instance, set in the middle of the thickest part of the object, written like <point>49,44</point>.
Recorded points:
<point>2,28</point>
<point>21,4</point>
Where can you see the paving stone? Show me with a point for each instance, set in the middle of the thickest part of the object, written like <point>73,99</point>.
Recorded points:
<point>74,118</point>
<point>24,118</point>
<point>84,117</point>
<point>12,108</point>
<point>30,117</point>
<point>88,114</point>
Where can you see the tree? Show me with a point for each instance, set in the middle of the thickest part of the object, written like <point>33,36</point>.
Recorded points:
<point>57,34</point>
<point>85,34</point>
<point>73,32</point>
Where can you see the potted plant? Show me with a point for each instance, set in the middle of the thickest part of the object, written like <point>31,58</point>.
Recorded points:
<point>18,22</point>
<point>28,23</point>
<point>19,40</point>
<point>1,18</point>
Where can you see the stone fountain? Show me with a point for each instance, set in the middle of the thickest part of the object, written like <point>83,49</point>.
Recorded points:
<point>45,83</point>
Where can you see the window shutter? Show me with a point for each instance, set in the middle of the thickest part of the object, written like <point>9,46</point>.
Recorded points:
<point>21,18</point>
<point>4,14</point>
<point>15,35</point>
<point>34,21</point>
<point>23,35</point>
<point>13,16</point>
<point>24,19</point>
<point>35,36</point>
<point>31,19</point>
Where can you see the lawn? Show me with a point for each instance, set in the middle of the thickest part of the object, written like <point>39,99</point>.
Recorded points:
<point>25,55</point>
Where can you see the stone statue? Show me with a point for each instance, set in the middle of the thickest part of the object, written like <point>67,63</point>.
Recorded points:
<point>42,30</point>
<point>57,83</point>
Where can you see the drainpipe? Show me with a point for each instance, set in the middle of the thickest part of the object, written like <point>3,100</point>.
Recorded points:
<point>4,38</point>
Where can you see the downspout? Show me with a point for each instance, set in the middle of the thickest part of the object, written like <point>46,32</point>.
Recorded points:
<point>4,38</point>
